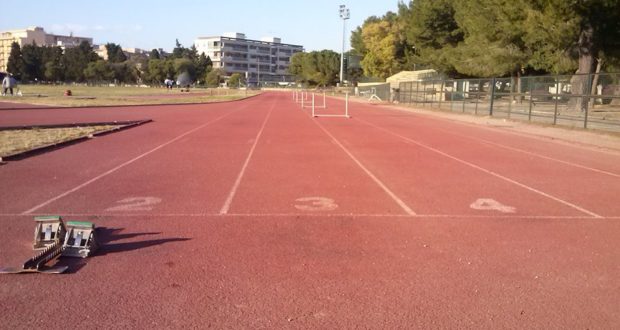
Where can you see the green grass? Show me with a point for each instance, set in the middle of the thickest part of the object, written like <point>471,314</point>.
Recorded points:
<point>51,95</point>
<point>16,141</point>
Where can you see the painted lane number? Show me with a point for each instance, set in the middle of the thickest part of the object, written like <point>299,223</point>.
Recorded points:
<point>135,204</point>
<point>487,204</point>
<point>313,204</point>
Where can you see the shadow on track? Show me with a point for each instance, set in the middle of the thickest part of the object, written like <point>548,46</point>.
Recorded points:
<point>107,235</point>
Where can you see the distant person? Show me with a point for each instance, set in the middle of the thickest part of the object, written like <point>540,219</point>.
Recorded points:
<point>168,83</point>
<point>8,83</point>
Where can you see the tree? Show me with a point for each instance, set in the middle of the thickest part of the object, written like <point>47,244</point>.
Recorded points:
<point>383,44</point>
<point>15,62</point>
<point>115,53</point>
<point>316,68</point>
<point>295,66</point>
<point>124,72</point>
<point>76,60</point>
<point>358,47</point>
<point>574,35</point>
<point>234,81</point>
<point>433,32</point>
<point>178,51</point>
<point>184,65</point>
<point>203,65</point>
<point>98,71</point>
<point>493,32</point>
<point>31,63</point>
<point>154,54</point>
<point>215,77</point>
<point>52,67</point>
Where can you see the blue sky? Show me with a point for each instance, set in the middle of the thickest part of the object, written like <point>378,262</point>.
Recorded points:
<point>156,24</point>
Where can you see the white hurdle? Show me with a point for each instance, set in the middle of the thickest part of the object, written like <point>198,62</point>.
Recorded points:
<point>346,108</point>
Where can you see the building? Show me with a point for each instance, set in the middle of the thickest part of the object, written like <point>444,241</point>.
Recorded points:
<point>408,76</point>
<point>102,51</point>
<point>34,35</point>
<point>265,60</point>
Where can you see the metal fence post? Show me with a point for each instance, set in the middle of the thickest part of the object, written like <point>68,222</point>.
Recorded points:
<point>410,89</point>
<point>512,95</point>
<point>492,97</point>
<point>555,110</point>
<point>529,114</point>
<point>477,96</point>
<point>589,89</point>
<point>417,88</point>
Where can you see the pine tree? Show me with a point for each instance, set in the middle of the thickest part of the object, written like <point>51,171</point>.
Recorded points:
<point>15,62</point>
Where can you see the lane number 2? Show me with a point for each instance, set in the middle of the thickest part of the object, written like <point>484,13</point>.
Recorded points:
<point>487,204</point>
<point>313,204</point>
<point>135,204</point>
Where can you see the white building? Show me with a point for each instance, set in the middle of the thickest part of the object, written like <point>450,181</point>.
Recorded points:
<point>265,60</point>
<point>35,35</point>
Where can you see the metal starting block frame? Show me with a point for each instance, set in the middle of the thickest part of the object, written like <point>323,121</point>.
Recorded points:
<point>48,230</point>
<point>80,240</point>
<point>75,239</point>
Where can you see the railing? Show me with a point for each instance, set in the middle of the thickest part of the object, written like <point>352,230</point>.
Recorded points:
<point>588,101</point>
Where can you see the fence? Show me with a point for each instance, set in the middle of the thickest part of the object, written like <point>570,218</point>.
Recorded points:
<point>588,101</point>
<point>382,91</point>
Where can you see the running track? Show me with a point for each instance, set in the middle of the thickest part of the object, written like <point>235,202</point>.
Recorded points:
<point>253,214</point>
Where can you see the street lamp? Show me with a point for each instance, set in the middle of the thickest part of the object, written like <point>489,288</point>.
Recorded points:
<point>345,15</point>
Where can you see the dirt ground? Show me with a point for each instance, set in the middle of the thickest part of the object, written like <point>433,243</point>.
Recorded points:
<point>602,141</point>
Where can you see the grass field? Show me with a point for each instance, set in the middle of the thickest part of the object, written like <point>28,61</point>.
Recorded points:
<point>53,95</point>
<point>16,141</point>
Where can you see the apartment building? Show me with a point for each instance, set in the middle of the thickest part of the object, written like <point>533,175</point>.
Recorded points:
<point>265,60</point>
<point>130,52</point>
<point>34,35</point>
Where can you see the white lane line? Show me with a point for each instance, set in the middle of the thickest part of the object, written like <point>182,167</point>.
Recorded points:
<point>313,215</point>
<point>581,209</point>
<point>233,191</point>
<point>531,136</point>
<point>398,201</point>
<point>533,154</point>
<point>51,200</point>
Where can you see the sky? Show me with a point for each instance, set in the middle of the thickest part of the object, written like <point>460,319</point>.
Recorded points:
<point>149,24</point>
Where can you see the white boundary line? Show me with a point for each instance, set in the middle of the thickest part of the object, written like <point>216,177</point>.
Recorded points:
<point>233,191</point>
<point>318,215</point>
<point>123,165</point>
<point>430,114</point>
<point>533,154</point>
<point>497,175</point>
<point>398,201</point>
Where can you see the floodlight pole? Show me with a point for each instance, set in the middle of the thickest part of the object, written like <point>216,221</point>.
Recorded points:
<point>345,15</point>
<point>258,68</point>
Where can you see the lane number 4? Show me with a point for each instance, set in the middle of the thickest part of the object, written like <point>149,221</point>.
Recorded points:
<point>313,204</point>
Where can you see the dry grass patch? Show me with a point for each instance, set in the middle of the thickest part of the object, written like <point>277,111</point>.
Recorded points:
<point>20,140</point>
<point>51,95</point>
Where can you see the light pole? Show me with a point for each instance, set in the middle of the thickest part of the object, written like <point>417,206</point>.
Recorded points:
<point>345,15</point>
<point>258,68</point>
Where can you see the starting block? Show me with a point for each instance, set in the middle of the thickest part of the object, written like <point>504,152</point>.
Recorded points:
<point>48,230</point>
<point>80,240</point>
<point>75,239</point>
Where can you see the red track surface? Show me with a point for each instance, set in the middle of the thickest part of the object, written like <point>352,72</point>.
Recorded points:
<point>226,235</point>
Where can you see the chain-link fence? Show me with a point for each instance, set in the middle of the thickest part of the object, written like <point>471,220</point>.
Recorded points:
<point>588,101</point>
<point>382,91</point>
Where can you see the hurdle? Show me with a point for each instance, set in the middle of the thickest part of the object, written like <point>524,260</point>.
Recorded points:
<point>323,106</point>
<point>346,108</point>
